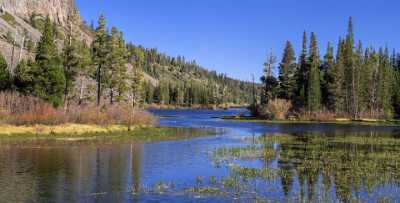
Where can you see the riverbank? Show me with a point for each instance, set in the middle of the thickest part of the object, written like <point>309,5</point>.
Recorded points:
<point>73,132</point>
<point>196,106</point>
<point>343,121</point>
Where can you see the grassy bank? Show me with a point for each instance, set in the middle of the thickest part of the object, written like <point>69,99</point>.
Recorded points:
<point>78,132</point>
<point>63,129</point>
<point>344,121</point>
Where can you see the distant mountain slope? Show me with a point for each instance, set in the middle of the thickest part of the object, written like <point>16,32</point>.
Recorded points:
<point>20,29</point>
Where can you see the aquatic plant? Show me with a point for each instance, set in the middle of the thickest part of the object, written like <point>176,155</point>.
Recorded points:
<point>342,163</point>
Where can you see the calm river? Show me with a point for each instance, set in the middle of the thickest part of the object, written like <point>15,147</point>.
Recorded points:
<point>242,162</point>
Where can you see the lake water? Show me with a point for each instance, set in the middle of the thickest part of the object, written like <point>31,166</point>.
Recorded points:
<point>242,162</point>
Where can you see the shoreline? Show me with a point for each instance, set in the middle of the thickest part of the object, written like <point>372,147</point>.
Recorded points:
<point>340,121</point>
<point>70,129</point>
<point>194,107</point>
<point>83,132</point>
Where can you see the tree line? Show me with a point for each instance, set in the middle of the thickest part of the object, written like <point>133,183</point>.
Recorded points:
<point>353,82</point>
<point>109,70</point>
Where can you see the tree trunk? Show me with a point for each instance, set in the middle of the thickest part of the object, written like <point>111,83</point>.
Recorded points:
<point>98,85</point>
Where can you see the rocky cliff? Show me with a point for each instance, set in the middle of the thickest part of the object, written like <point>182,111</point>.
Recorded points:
<point>57,10</point>
<point>16,27</point>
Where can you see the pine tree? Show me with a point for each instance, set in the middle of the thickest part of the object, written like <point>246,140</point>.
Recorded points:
<point>23,77</point>
<point>337,87</point>
<point>86,71</point>
<point>5,76</point>
<point>396,87</point>
<point>302,76</point>
<point>366,82</point>
<point>100,54</point>
<point>71,65</point>
<point>287,70</point>
<point>385,82</point>
<point>270,83</point>
<point>116,72</point>
<point>47,71</point>
<point>314,87</point>
<point>137,88</point>
<point>329,79</point>
<point>350,72</point>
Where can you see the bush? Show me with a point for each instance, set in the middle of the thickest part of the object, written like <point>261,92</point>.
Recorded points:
<point>19,109</point>
<point>277,109</point>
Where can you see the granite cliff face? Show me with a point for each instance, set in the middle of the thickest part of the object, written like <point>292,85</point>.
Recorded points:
<point>16,28</point>
<point>57,10</point>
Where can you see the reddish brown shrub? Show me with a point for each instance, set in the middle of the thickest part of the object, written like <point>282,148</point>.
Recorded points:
<point>18,109</point>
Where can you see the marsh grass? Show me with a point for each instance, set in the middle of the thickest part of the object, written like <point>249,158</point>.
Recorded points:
<point>338,121</point>
<point>326,166</point>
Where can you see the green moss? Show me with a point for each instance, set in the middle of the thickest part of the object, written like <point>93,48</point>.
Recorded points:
<point>9,18</point>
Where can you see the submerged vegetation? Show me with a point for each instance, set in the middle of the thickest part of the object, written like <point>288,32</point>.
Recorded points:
<point>315,167</point>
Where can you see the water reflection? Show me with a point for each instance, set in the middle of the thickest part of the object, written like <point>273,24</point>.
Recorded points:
<point>246,162</point>
<point>320,166</point>
<point>70,174</point>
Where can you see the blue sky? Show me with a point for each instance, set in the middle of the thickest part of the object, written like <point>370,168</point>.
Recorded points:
<point>234,36</point>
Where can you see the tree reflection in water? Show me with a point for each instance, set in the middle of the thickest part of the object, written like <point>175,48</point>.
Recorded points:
<point>319,166</point>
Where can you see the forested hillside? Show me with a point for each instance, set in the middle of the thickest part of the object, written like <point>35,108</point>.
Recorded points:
<point>53,55</point>
<point>181,82</point>
<point>353,82</point>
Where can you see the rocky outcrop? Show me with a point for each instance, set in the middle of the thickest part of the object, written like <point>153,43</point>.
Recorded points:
<point>15,27</point>
<point>57,10</point>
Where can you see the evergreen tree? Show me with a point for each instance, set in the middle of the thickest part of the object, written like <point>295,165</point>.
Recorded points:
<point>5,76</point>
<point>287,70</point>
<point>116,72</point>
<point>396,88</point>
<point>338,87</point>
<point>302,76</point>
<point>23,77</point>
<point>85,71</point>
<point>270,83</point>
<point>100,54</point>
<point>329,76</point>
<point>137,88</point>
<point>71,65</point>
<point>351,99</point>
<point>385,82</point>
<point>314,87</point>
<point>47,71</point>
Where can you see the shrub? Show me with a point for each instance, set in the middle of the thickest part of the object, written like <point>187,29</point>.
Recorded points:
<point>19,109</point>
<point>277,109</point>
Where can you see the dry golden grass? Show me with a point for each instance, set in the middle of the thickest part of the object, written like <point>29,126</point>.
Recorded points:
<point>277,109</point>
<point>70,129</point>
